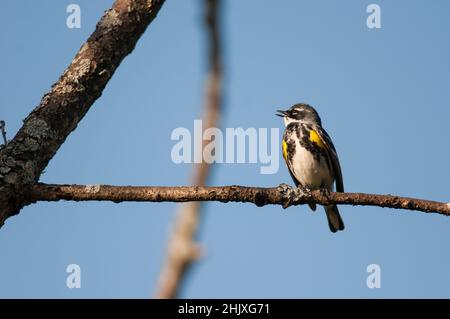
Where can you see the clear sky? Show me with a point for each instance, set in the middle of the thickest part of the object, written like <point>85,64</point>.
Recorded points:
<point>383,95</point>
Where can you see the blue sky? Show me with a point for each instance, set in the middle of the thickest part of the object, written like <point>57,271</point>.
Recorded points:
<point>383,97</point>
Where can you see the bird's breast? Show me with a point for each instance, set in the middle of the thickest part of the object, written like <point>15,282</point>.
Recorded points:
<point>311,170</point>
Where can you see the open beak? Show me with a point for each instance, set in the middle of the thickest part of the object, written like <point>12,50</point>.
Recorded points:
<point>281,113</point>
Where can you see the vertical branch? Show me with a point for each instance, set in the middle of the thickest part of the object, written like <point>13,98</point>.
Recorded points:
<point>182,249</point>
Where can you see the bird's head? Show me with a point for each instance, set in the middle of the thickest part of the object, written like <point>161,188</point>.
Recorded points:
<point>300,112</point>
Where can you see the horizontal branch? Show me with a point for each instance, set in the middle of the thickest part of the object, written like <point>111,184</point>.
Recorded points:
<point>282,195</point>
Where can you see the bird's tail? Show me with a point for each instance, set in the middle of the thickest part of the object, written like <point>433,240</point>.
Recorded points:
<point>334,218</point>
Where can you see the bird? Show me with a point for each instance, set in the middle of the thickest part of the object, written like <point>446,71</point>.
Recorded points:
<point>311,157</point>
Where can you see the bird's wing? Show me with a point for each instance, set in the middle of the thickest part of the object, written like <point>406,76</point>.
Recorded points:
<point>286,148</point>
<point>332,154</point>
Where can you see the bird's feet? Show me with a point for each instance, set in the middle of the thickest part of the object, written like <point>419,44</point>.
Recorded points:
<point>292,195</point>
<point>307,192</point>
<point>325,192</point>
<point>286,192</point>
<point>305,189</point>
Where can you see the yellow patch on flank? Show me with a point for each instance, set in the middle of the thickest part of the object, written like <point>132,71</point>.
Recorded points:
<point>315,138</point>
<point>284,146</point>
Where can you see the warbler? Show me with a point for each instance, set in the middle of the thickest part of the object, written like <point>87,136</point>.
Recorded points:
<point>310,156</point>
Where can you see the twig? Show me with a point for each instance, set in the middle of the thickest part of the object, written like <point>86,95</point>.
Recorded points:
<point>281,195</point>
<point>182,250</point>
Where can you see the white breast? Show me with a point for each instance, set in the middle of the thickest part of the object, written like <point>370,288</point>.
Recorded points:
<point>309,171</point>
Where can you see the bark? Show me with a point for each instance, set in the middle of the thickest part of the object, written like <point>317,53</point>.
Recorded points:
<point>282,195</point>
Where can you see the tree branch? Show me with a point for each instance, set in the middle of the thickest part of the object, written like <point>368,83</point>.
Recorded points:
<point>48,125</point>
<point>182,249</point>
<point>282,195</point>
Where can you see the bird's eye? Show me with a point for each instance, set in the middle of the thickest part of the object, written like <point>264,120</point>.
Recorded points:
<point>297,114</point>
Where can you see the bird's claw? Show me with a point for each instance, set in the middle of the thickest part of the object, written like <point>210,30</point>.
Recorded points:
<point>286,192</point>
<point>292,195</point>
<point>305,189</point>
<point>325,192</point>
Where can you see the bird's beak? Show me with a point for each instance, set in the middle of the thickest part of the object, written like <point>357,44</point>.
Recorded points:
<point>281,113</point>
